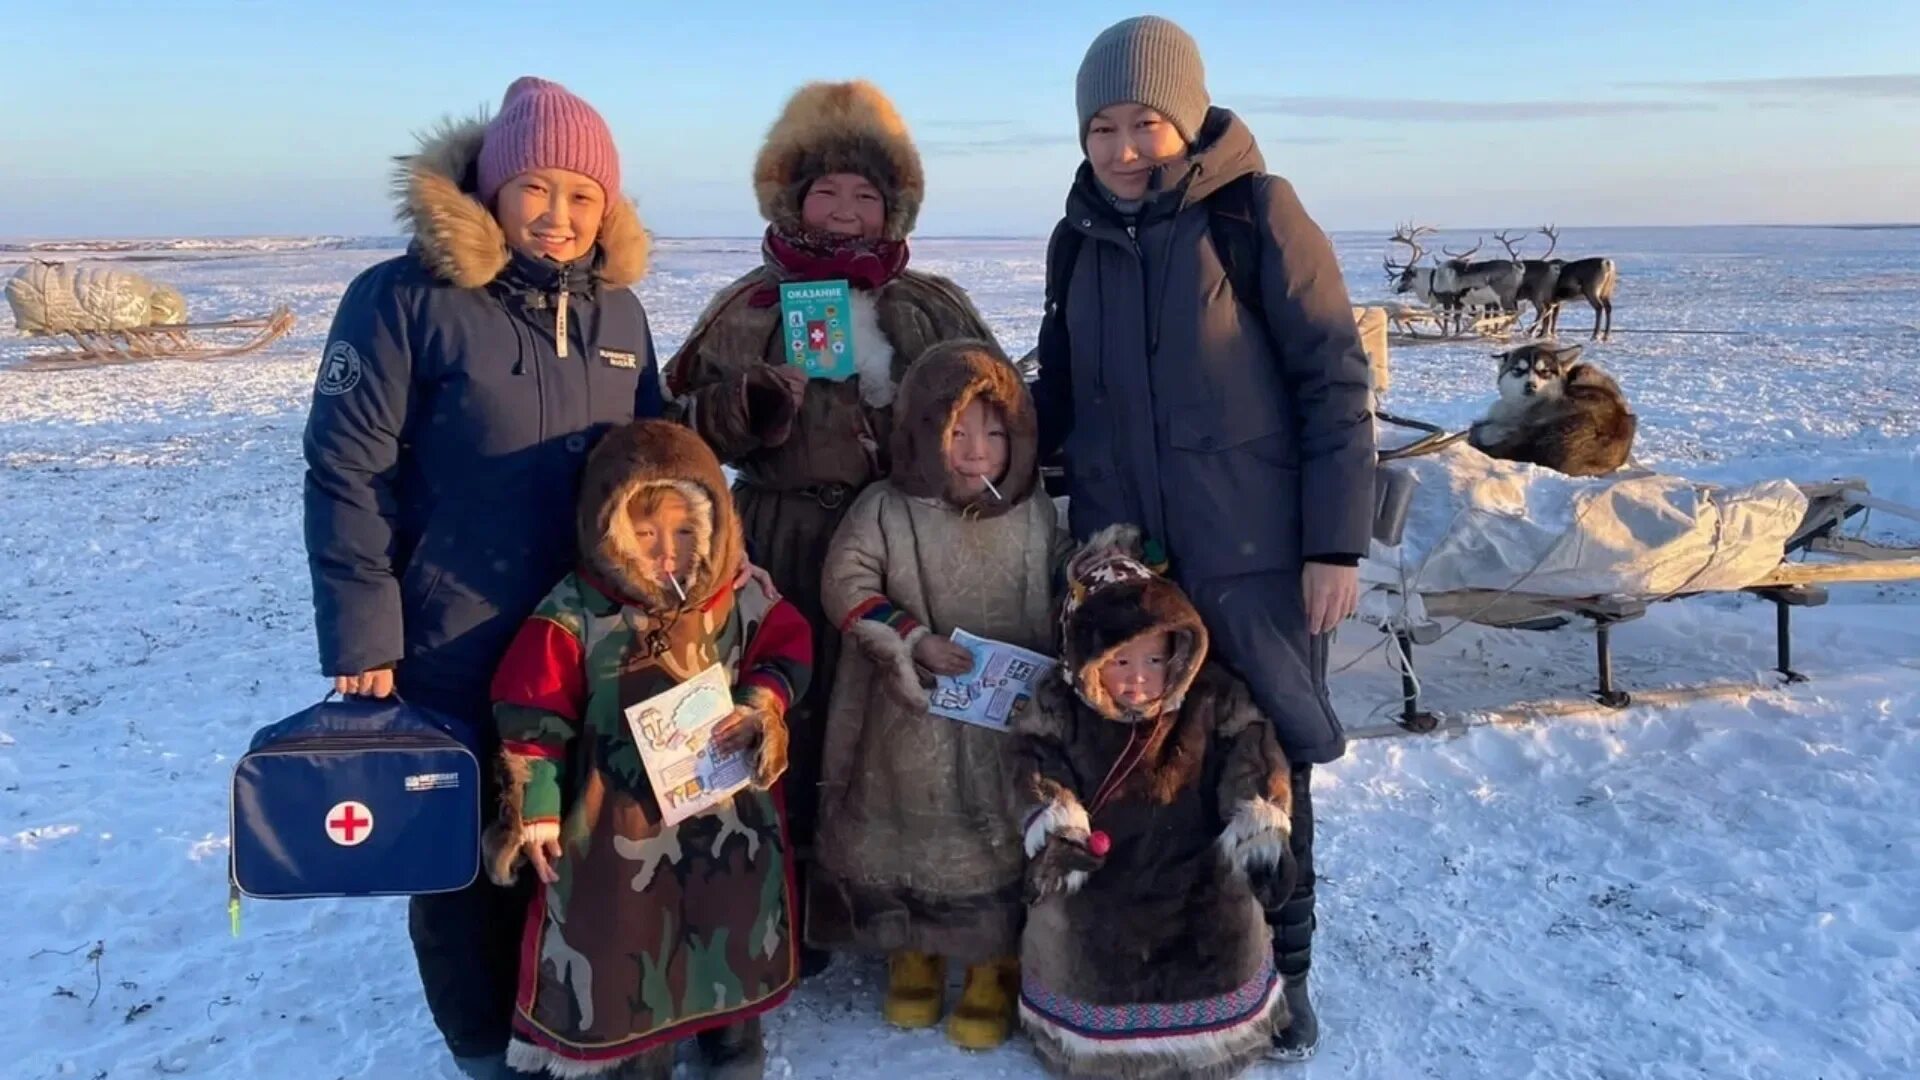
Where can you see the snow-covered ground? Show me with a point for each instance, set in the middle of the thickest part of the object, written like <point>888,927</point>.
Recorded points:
<point>1730,889</point>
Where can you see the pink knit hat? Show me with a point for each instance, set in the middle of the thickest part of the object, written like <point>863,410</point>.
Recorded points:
<point>542,126</point>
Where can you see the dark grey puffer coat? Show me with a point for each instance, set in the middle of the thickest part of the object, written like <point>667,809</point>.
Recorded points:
<point>1244,449</point>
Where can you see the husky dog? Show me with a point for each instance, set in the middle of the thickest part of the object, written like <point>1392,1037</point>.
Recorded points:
<point>1556,412</point>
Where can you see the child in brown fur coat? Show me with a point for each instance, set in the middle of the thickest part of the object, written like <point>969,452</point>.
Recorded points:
<point>1158,820</point>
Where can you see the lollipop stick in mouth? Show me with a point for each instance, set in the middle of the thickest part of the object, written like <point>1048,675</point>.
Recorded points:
<point>676,587</point>
<point>994,490</point>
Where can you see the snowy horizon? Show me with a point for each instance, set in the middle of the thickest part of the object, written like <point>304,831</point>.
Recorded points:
<point>83,243</point>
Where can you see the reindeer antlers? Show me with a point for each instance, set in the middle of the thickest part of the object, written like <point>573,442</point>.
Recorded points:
<point>1452,254</point>
<point>1511,243</point>
<point>1553,236</point>
<point>1408,234</point>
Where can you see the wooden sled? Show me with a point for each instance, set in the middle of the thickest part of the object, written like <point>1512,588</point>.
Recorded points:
<point>186,341</point>
<point>1412,325</point>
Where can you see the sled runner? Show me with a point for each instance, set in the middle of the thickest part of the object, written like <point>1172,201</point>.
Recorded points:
<point>187,341</point>
<point>1415,324</point>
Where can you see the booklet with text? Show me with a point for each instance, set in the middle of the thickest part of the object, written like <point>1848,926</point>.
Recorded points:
<point>998,688</point>
<point>674,731</point>
<point>818,318</point>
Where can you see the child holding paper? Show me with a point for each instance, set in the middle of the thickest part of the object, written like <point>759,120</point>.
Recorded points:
<point>643,933</point>
<point>919,855</point>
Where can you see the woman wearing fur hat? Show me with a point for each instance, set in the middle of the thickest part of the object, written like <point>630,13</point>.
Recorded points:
<point>462,385</point>
<point>1158,806</point>
<point>919,854</point>
<point>642,933</point>
<point>840,184</point>
<point>1229,414</point>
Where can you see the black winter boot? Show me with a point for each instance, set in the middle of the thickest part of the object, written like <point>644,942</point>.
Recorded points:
<point>734,1052</point>
<point>1293,924</point>
<point>1302,1035</point>
<point>654,1064</point>
<point>814,962</point>
<point>491,1067</point>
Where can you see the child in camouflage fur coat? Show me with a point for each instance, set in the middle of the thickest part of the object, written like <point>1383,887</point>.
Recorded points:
<point>643,934</point>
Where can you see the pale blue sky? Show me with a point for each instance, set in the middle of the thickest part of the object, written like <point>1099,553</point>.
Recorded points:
<point>161,118</point>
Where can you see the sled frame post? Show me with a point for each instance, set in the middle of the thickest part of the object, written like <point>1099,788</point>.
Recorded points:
<point>1412,716</point>
<point>1603,659</point>
<point>1783,642</point>
<point>1605,615</point>
<point>1784,601</point>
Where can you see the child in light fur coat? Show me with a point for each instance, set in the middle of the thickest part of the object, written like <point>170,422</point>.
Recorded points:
<point>919,846</point>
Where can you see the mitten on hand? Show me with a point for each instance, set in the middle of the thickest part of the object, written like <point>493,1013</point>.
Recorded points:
<point>1061,867</point>
<point>772,402</point>
<point>1272,884</point>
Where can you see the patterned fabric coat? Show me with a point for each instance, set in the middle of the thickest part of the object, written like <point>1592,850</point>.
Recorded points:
<point>652,932</point>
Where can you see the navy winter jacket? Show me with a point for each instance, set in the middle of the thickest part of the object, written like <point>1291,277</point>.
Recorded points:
<point>446,438</point>
<point>1246,449</point>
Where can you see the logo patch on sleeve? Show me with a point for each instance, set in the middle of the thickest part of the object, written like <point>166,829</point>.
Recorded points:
<point>340,371</point>
<point>616,358</point>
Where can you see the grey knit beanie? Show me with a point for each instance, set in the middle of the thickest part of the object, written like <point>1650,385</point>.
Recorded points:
<point>1149,60</point>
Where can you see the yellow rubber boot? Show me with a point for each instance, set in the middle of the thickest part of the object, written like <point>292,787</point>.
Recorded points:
<point>916,989</point>
<point>984,1017</point>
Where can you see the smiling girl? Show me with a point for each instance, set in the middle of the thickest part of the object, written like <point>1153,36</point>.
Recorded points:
<point>462,387</point>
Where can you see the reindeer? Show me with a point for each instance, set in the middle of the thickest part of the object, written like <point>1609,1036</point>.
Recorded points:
<point>1432,285</point>
<point>1537,279</point>
<point>1548,282</point>
<point>1489,283</point>
<point>1439,286</point>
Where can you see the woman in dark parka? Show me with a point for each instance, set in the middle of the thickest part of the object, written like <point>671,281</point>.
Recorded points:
<point>462,386</point>
<point>1236,430</point>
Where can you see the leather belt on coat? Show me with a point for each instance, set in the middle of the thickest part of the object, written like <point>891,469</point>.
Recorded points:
<point>829,496</point>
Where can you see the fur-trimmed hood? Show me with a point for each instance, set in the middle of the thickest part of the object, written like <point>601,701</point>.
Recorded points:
<point>457,234</point>
<point>656,453</point>
<point>933,393</point>
<point>1112,599</point>
<point>830,127</point>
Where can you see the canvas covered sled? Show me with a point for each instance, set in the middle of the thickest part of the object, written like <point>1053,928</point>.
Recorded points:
<point>107,315</point>
<point>1464,538</point>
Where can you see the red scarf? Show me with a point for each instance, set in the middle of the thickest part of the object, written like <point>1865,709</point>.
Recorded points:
<point>863,264</point>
